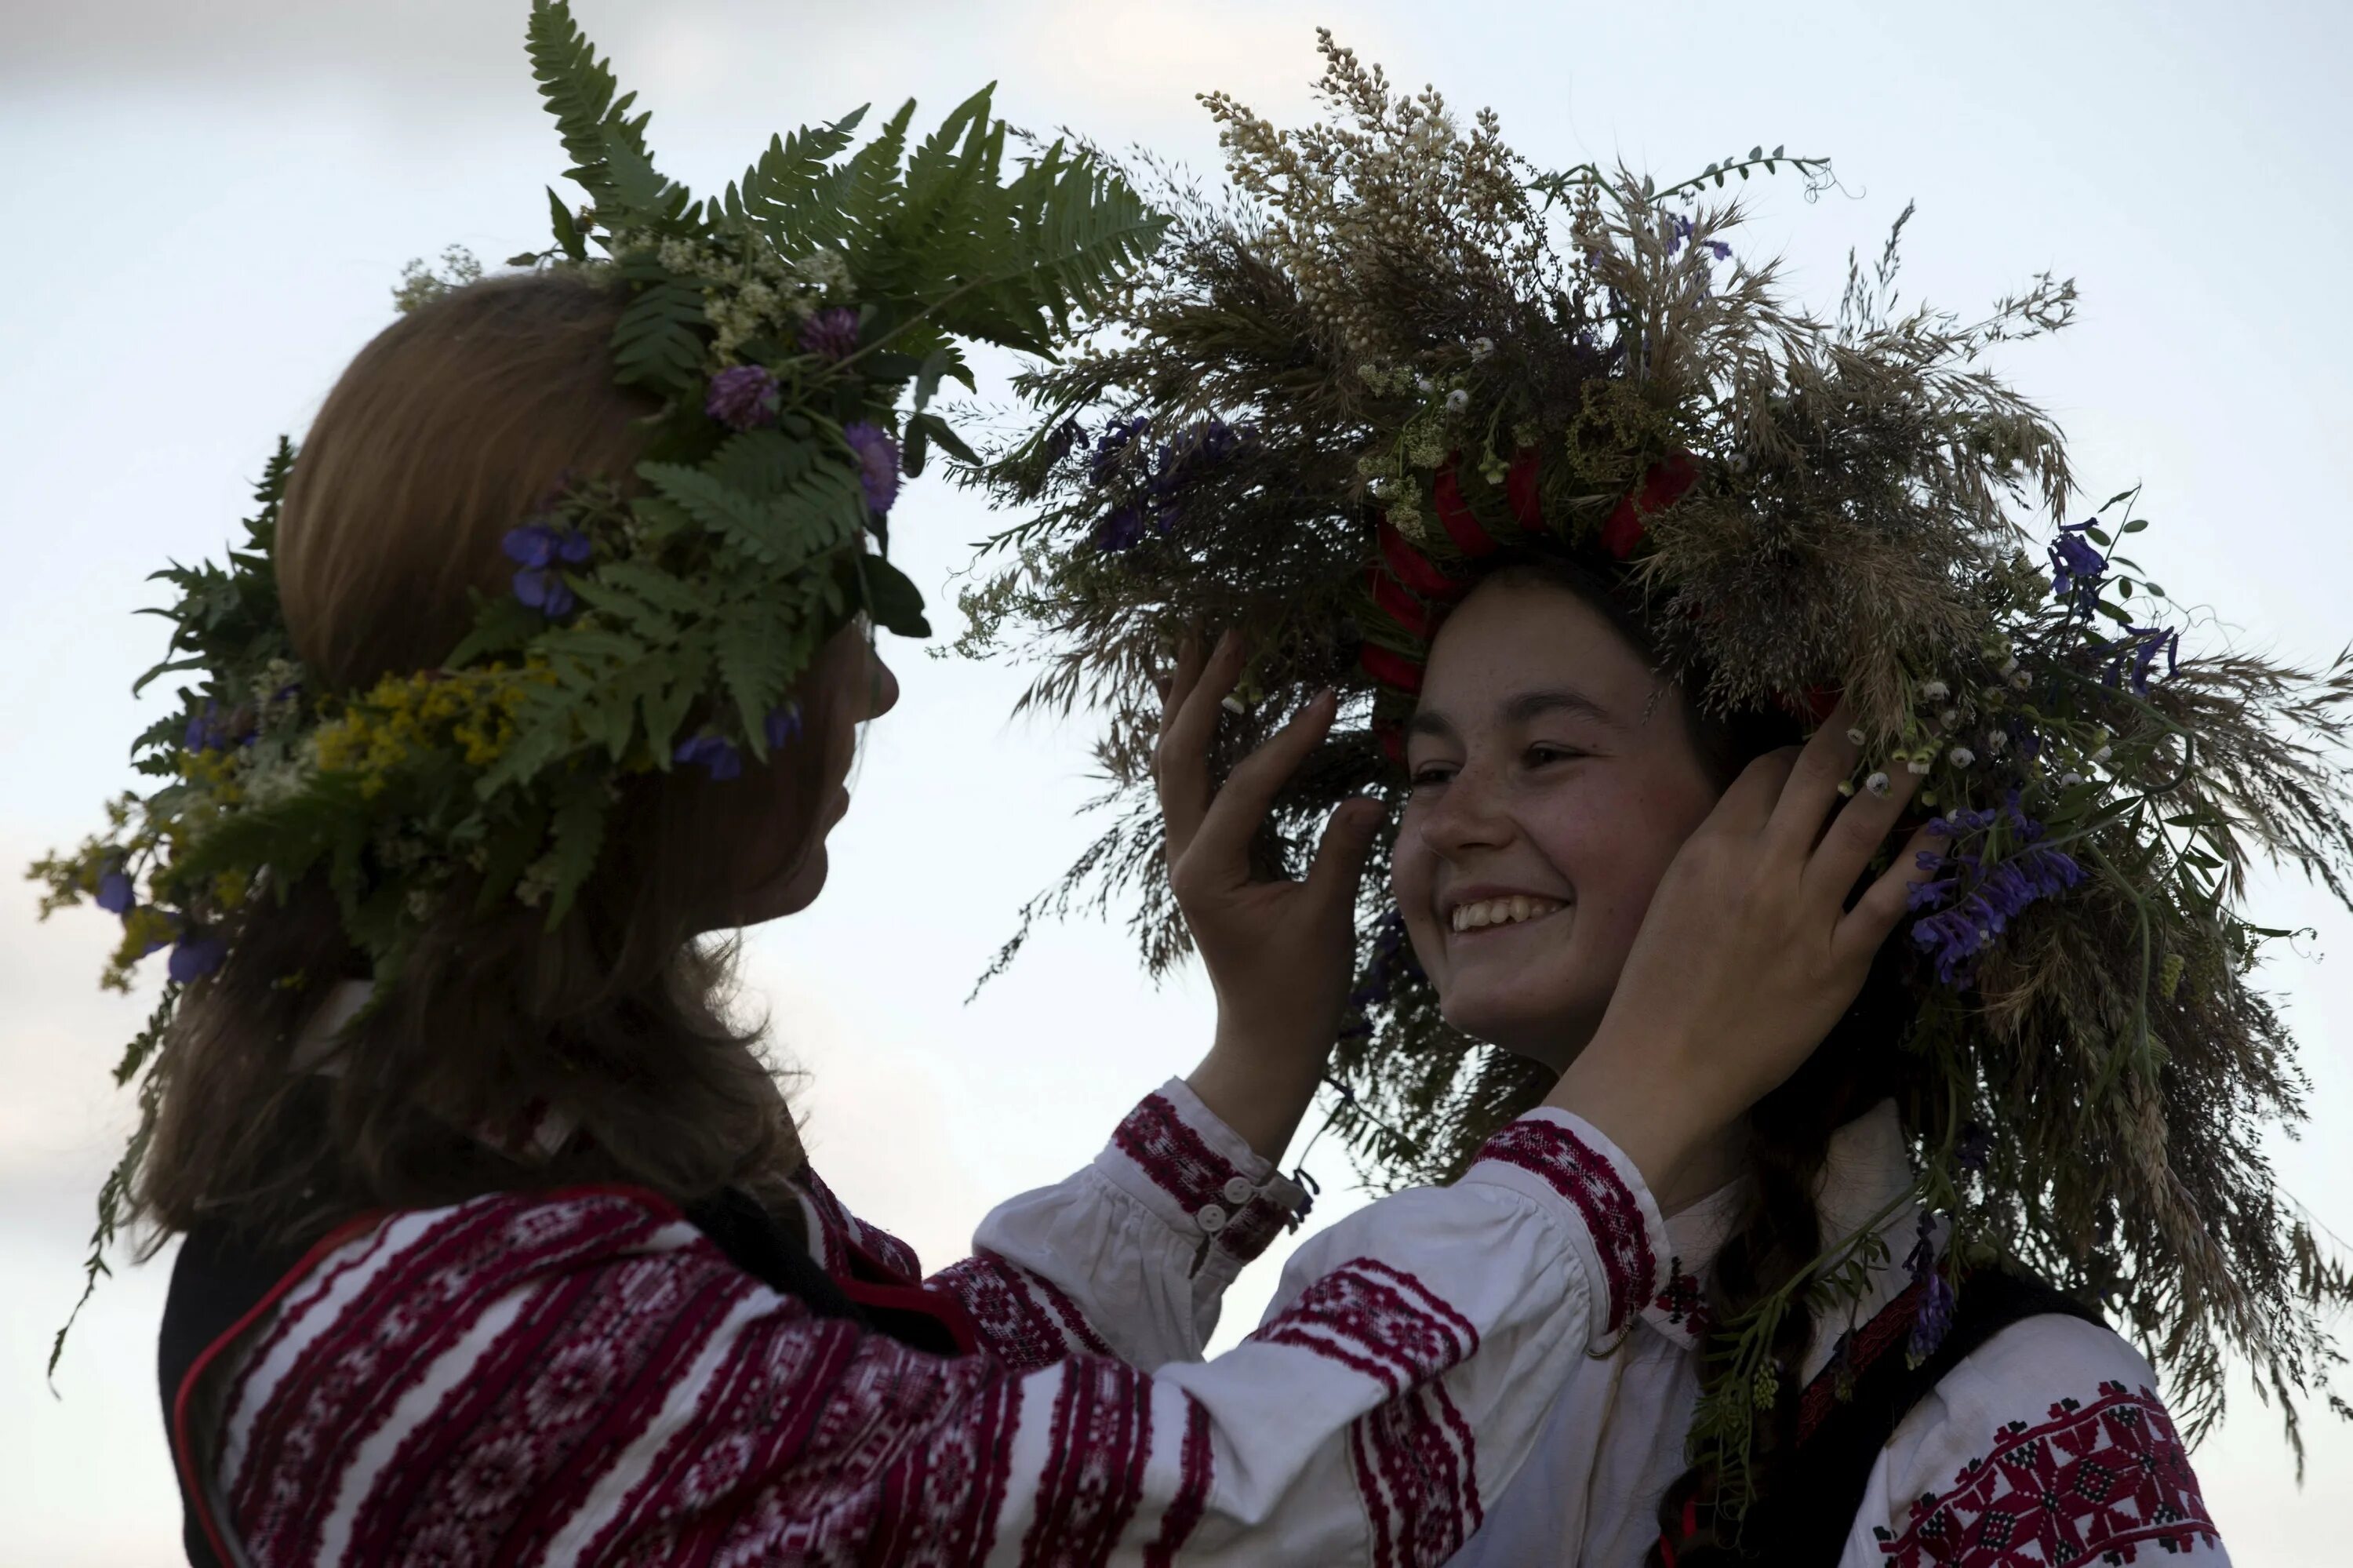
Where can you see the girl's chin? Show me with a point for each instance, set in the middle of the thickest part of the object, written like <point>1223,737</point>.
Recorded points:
<point>1548,1030</point>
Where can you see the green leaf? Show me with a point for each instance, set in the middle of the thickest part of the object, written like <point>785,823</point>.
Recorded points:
<point>2134,526</point>
<point>568,237</point>
<point>658,341</point>
<point>938,429</point>
<point>578,834</point>
<point>892,600</point>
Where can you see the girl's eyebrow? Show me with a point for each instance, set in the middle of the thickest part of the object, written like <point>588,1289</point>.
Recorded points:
<point>1520,709</point>
<point>1527,706</point>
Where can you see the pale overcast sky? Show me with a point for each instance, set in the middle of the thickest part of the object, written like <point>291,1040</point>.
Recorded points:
<point>213,198</point>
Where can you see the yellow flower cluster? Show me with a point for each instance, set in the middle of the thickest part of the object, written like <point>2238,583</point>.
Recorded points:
<point>472,711</point>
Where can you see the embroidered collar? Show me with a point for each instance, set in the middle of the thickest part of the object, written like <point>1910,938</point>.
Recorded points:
<point>1868,1168</point>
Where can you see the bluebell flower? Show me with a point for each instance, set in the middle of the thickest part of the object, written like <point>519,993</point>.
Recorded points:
<point>2134,654</point>
<point>782,727</point>
<point>192,957</point>
<point>1721,251</point>
<point>715,755</point>
<point>878,463</point>
<point>115,894</point>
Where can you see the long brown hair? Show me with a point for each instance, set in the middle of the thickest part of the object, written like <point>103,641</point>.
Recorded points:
<point>1778,1232</point>
<point>445,431</point>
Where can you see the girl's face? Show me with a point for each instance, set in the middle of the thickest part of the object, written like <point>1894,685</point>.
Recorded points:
<point>1553,779</point>
<point>862,688</point>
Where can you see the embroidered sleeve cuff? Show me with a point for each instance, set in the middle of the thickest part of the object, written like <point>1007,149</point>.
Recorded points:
<point>1199,1175</point>
<point>1558,1159</point>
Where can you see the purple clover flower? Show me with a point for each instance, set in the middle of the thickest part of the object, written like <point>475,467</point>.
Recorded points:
<point>782,727</point>
<point>878,463</point>
<point>115,894</point>
<point>831,336</point>
<point>194,956</point>
<point>539,548</point>
<point>715,755</point>
<point>743,396</point>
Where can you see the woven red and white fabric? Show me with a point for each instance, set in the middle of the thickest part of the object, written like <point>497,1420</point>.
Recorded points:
<point>583,1377</point>
<point>2045,1447</point>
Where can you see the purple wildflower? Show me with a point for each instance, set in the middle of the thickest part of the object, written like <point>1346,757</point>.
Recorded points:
<point>1123,530</point>
<point>782,727</point>
<point>539,548</point>
<point>1933,1319</point>
<point>1683,231</point>
<point>2077,569</point>
<point>878,463</point>
<point>831,336</point>
<point>214,729</point>
<point>1065,437</point>
<point>715,755</point>
<point>1719,249</point>
<point>2135,653</point>
<point>1109,445</point>
<point>115,894</point>
<point>743,396</point>
<point>194,958</point>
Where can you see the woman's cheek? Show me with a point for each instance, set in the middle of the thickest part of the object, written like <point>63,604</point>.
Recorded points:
<point>1409,884</point>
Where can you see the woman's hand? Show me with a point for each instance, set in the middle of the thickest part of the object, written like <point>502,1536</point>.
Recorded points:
<point>1748,954</point>
<point>1279,954</point>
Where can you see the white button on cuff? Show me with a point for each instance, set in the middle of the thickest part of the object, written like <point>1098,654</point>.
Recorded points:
<point>1212,1218</point>
<point>1238,1191</point>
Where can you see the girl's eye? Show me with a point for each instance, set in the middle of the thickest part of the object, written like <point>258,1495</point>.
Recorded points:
<point>1431,773</point>
<point>1541,754</point>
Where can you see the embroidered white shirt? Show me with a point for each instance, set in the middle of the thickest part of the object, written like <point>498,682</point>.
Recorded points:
<point>2047,1446</point>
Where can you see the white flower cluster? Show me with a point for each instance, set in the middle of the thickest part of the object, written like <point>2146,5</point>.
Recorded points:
<point>749,290</point>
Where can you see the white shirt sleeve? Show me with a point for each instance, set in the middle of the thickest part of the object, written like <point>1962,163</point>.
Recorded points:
<point>2047,1445</point>
<point>1142,1244</point>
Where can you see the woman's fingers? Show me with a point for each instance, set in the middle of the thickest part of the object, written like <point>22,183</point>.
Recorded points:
<point>1826,760</point>
<point>1188,720</point>
<point>1857,833</point>
<point>1224,832</point>
<point>1347,840</point>
<point>1874,915</point>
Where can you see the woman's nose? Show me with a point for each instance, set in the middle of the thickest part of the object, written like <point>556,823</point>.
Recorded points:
<point>882,687</point>
<point>1467,815</point>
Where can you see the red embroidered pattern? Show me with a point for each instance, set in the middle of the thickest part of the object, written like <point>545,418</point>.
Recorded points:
<point>584,1377</point>
<point>1683,1303</point>
<point>1579,1173</point>
<point>1022,1320</point>
<point>1416,1467</point>
<point>2090,1485</point>
<point>1181,1163</point>
<point>1413,1456</point>
<point>1381,1321</point>
<point>843,1232</point>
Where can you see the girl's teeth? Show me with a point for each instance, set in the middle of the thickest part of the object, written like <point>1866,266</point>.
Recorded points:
<point>1502,912</point>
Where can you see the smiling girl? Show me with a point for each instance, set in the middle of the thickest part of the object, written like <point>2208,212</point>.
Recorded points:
<point>1579,526</point>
